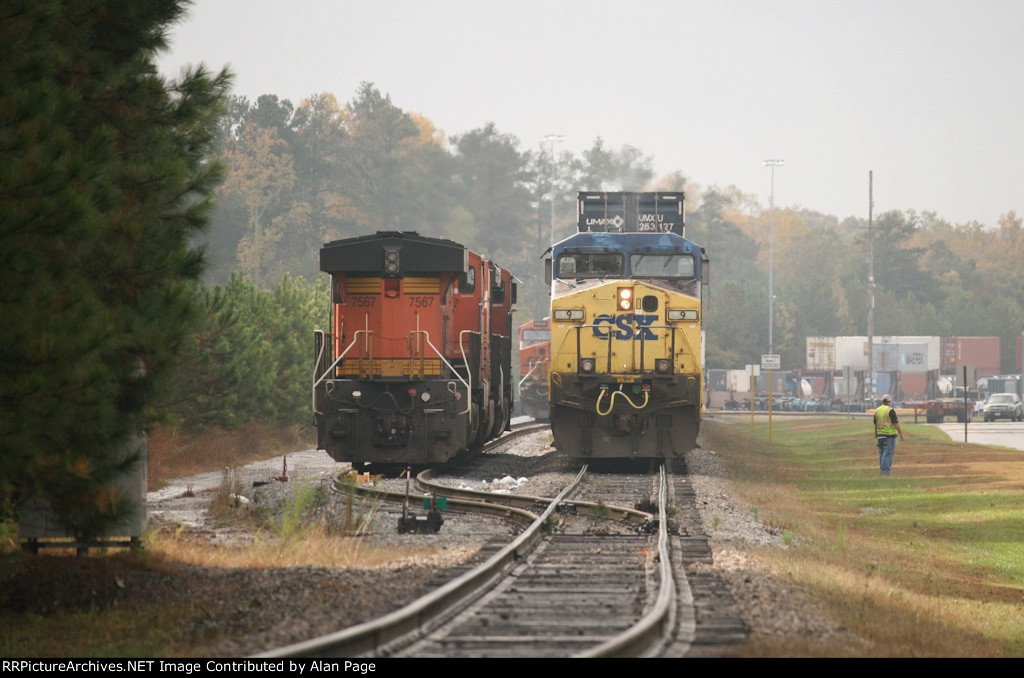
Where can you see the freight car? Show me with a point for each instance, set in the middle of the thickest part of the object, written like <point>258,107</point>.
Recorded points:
<point>417,365</point>
<point>534,358</point>
<point>626,375</point>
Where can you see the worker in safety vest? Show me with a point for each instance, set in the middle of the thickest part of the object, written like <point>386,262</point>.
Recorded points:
<point>887,427</point>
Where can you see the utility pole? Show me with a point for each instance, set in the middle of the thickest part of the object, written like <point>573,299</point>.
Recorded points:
<point>551,140</point>
<point>771,255</point>
<point>870,385</point>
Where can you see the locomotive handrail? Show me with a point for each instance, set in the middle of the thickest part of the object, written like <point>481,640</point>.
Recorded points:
<point>426,334</point>
<point>414,349</point>
<point>469,388</point>
<point>501,389</point>
<point>521,381</point>
<point>341,357</point>
<point>469,375</point>
<point>316,364</point>
<point>332,366</point>
<point>368,345</point>
<point>686,342</point>
<point>370,357</point>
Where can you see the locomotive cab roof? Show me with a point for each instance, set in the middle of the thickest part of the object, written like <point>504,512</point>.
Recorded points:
<point>393,253</point>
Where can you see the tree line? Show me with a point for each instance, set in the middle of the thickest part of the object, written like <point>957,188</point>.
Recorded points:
<point>299,176</point>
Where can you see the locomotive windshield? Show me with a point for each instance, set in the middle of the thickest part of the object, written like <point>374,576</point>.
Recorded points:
<point>662,265</point>
<point>590,265</point>
<point>531,337</point>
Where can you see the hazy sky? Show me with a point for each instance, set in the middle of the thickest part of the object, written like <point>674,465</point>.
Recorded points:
<point>927,94</point>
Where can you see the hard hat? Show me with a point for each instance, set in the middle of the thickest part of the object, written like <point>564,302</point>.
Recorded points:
<point>885,398</point>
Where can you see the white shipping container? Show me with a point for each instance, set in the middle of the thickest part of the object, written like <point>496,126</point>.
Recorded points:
<point>914,358</point>
<point>821,353</point>
<point>738,380</point>
<point>852,352</point>
<point>913,354</point>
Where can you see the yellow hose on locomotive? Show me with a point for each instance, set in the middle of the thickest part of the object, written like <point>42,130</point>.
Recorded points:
<point>611,401</point>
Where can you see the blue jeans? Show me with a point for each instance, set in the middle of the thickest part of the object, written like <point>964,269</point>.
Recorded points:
<point>886,447</point>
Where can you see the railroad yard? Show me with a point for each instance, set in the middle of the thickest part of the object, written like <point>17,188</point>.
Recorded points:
<point>216,581</point>
<point>739,601</point>
<point>209,572</point>
<point>296,377</point>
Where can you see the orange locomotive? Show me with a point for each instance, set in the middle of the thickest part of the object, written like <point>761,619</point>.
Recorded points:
<point>534,359</point>
<point>417,366</point>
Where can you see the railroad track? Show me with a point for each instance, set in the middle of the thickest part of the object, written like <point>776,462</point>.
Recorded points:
<point>588,575</point>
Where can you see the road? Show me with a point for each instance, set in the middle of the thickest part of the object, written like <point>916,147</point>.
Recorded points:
<point>184,500</point>
<point>1002,433</point>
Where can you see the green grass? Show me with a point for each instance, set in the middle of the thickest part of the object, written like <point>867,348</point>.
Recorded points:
<point>926,562</point>
<point>298,511</point>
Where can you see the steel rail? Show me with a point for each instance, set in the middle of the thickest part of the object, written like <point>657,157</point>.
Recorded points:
<point>367,638</point>
<point>649,632</point>
<point>525,501</point>
<point>518,512</point>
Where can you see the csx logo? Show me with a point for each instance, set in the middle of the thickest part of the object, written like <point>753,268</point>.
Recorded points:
<point>625,324</point>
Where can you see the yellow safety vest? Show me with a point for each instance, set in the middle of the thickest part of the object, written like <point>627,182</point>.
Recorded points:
<point>883,426</point>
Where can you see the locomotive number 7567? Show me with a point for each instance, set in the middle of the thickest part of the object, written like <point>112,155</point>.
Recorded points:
<point>421,302</point>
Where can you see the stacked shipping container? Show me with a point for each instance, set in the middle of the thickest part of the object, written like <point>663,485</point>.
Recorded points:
<point>981,352</point>
<point>908,365</point>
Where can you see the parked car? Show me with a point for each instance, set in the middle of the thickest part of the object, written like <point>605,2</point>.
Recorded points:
<point>1003,406</point>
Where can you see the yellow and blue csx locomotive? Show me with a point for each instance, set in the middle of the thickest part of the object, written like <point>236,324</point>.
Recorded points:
<point>627,350</point>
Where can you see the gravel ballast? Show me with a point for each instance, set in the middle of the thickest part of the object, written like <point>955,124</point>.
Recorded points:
<point>252,611</point>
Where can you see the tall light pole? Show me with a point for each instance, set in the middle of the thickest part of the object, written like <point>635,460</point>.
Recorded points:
<point>551,140</point>
<point>771,254</point>
<point>869,387</point>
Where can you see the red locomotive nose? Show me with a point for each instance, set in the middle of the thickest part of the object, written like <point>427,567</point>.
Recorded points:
<point>419,314</point>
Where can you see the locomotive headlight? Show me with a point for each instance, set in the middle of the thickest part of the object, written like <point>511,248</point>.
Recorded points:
<point>391,261</point>
<point>587,365</point>
<point>663,365</point>
<point>681,314</point>
<point>425,396</point>
<point>568,314</point>
<point>625,298</point>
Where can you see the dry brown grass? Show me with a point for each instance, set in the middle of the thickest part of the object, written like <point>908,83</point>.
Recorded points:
<point>121,603</point>
<point>316,547</point>
<point>174,453</point>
